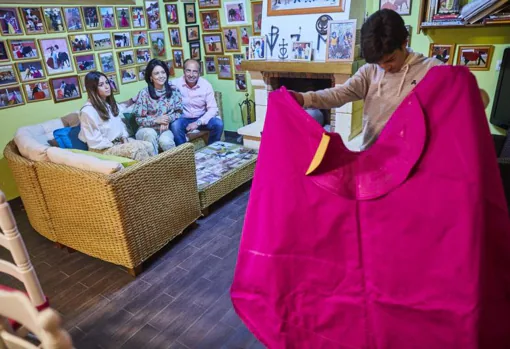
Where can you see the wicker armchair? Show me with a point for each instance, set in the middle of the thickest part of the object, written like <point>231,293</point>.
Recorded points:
<point>122,218</point>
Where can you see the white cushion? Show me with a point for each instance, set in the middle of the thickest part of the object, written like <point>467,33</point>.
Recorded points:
<point>32,140</point>
<point>82,161</point>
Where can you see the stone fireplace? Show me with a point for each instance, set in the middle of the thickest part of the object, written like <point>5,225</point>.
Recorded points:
<point>267,76</point>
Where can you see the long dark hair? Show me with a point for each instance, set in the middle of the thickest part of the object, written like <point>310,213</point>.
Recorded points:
<point>100,105</point>
<point>153,63</point>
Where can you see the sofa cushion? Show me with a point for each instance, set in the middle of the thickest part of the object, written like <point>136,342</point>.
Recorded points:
<point>82,161</point>
<point>32,140</point>
<point>125,162</point>
<point>71,120</point>
<point>67,138</point>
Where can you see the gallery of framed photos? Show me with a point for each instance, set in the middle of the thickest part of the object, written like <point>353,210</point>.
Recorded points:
<point>111,39</point>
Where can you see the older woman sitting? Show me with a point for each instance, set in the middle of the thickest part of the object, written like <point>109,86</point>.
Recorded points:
<point>156,106</point>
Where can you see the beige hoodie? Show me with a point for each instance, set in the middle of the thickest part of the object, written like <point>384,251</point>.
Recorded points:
<point>382,92</point>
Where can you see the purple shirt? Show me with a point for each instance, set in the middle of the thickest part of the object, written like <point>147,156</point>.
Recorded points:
<point>197,101</point>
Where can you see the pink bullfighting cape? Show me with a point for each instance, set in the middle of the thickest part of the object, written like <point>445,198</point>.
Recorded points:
<point>403,246</point>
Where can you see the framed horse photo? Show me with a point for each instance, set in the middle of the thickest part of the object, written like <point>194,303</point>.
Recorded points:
<point>341,41</point>
<point>402,7</point>
<point>57,57</point>
<point>65,88</point>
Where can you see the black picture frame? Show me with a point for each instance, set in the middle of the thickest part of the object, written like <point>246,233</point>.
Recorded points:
<point>190,13</point>
<point>195,45</point>
<point>193,30</point>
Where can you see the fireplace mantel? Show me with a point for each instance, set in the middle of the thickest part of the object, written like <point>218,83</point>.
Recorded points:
<point>346,68</point>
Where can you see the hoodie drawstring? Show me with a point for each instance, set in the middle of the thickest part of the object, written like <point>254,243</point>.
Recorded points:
<point>406,69</point>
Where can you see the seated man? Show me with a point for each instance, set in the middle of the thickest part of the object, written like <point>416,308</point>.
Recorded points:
<point>199,106</point>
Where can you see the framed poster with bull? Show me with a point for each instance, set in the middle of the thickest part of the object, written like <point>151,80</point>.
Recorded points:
<point>57,57</point>
<point>23,49</point>
<point>475,57</point>
<point>65,88</point>
<point>126,57</point>
<point>402,7</point>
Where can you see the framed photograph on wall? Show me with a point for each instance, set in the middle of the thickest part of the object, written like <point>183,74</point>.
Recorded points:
<point>158,44</point>
<point>192,33</point>
<point>102,41</point>
<point>57,56</point>
<point>122,39</point>
<point>195,51</point>
<point>175,37</point>
<point>238,58</point>
<point>257,48</point>
<point>80,43</point>
<point>65,88</point>
<point>240,80</point>
<point>190,13</point>
<point>11,97</point>
<point>143,55</point>
<point>85,63</point>
<point>4,52</point>
<point>246,32</point>
<point>106,62</point>
<point>410,34</point>
<point>138,17</point>
<point>123,17</point>
<point>256,17</point>
<point>444,53</point>
<point>54,19</point>
<point>210,20</point>
<point>153,14</point>
<point>140,38</point>
<point>114,83</point>
<point>212,44</point>
<point>402,7</point>
<point>231,39</point>
<point>107,16</point>
<point>172,16</point>
<point>8,75</point>
<point>91,17</point>
<point>224,64</point>
<point>73,19</point>
<point>210,65</point>
<point>23,49</point>
<point>235,12</point>
<point>170,64</point>
<point>301,51</point>
<point>11,23</point>
<point>475,57</point>
<point>32,19</point>
<point>178,56</point>
<point>30,71</point>
<point>341,39</point>
<point>140,72</point>
<point>128,75</point>
<point>209,4</point>
<point>37,91</point>
<point>125,58</point>
<point>282,8</point>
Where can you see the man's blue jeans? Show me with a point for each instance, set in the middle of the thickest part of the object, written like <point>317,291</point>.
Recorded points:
<point>178,127</point>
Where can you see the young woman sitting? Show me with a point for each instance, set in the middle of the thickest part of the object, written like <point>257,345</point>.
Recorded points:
<point>101,124</point>
<point>156,107</point>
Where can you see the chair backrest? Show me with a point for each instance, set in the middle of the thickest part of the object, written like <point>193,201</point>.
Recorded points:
<point>22,270</point>
<point>45,325</point>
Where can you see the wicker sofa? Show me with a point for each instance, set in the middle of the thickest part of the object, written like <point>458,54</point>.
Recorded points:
<point>124,217</point>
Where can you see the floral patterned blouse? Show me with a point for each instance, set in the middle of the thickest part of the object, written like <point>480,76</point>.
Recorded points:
<point>146,109</point>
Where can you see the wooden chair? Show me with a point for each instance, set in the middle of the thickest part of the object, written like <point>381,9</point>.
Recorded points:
<point>22,270</point>
<point>45,325</point>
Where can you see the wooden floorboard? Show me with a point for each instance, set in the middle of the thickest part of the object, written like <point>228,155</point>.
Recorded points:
<point>180,301</point>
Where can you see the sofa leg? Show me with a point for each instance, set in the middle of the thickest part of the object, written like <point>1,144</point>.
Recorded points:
<point>205,212</point>
<point>59,245</point>
<point>70,250</point>
<point>135,271</point>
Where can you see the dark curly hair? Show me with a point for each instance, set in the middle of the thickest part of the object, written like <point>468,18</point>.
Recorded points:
<point>382,34</point>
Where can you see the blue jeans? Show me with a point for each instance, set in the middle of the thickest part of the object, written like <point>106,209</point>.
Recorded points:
<point>178,127</point>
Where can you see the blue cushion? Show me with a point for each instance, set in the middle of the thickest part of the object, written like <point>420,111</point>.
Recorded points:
<point>67,138</point>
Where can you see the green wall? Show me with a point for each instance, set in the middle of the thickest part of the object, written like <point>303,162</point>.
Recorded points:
<point>13,118</point>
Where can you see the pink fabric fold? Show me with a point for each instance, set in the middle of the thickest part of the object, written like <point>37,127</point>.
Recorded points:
<point>405,245</point>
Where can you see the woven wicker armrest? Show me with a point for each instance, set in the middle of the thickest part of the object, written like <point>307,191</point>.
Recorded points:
<point>127,216</point>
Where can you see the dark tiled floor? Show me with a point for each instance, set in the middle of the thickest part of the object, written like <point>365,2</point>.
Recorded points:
<point>181,300</point>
